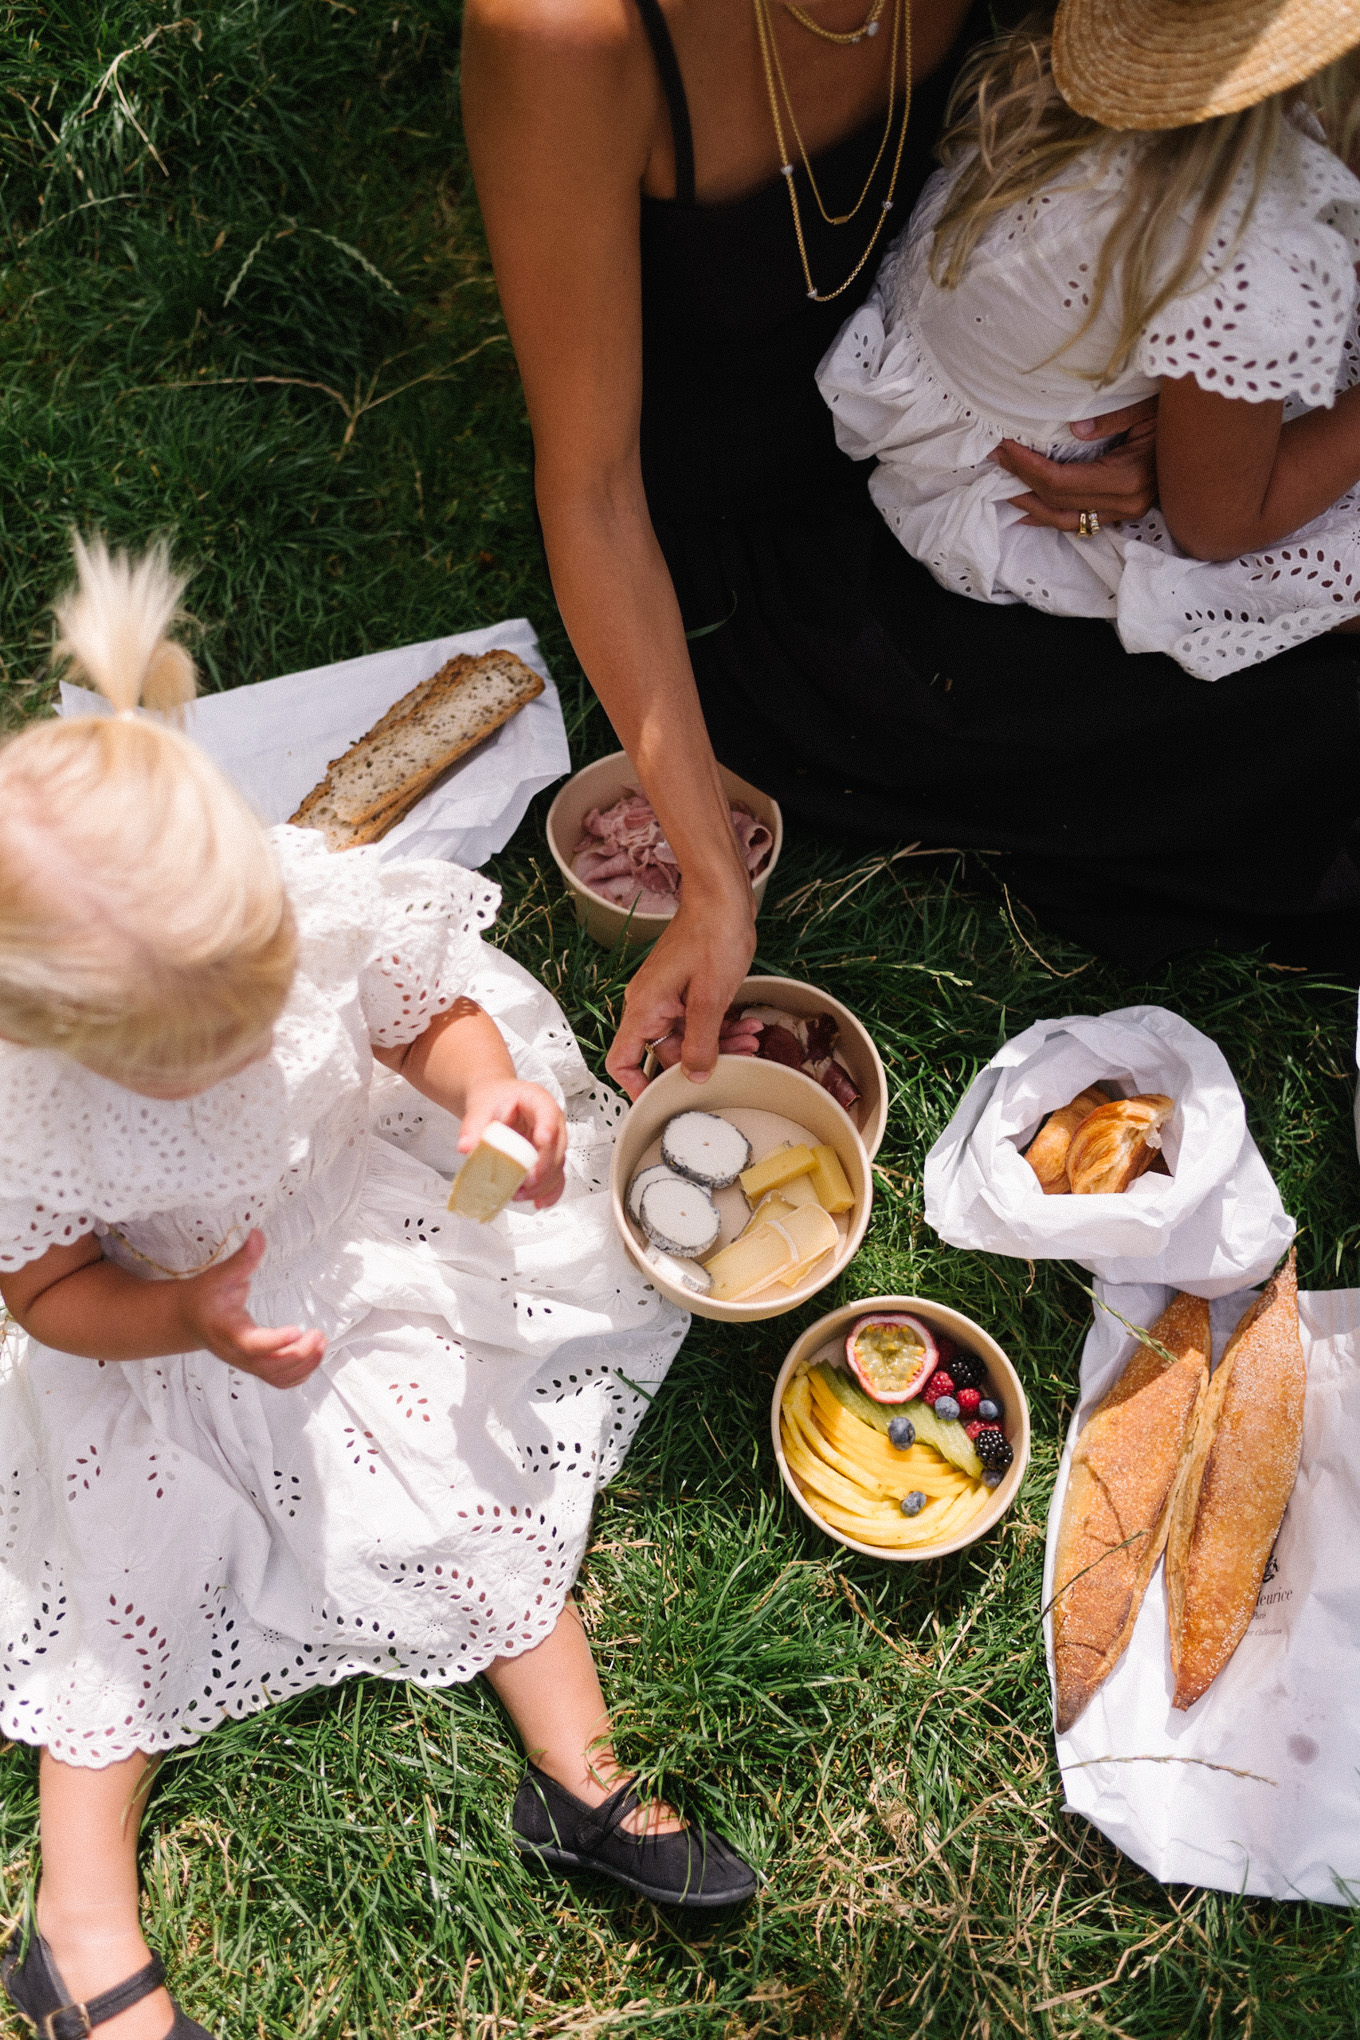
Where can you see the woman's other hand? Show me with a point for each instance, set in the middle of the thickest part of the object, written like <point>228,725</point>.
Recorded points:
<point>680,995</point>
<point>214,1315</point>
<point>529,1110</point>
<point>1119,484</point>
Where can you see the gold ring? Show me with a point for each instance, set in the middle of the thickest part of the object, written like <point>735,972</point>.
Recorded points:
<point>1088,524</point>
<point>660,1038</point>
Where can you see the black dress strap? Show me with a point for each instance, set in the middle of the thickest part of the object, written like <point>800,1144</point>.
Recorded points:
<point>673,85</point>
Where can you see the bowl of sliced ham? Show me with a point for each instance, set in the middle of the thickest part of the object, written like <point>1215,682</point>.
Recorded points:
<point>806,1029</point>
<point>621,871</point>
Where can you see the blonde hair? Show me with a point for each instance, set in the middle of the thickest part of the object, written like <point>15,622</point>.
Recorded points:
<point>144,928</point>
<point>1007,111</point>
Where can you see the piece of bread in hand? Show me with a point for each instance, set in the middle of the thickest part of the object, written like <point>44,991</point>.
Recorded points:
<point>1118,1502</point>
<point>1113,1145</point>
<point>1231,1500</point>
<point>381,777</point>
<point>1047,1152</point>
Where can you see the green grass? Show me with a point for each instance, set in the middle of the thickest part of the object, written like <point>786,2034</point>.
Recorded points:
<point>280,193</point>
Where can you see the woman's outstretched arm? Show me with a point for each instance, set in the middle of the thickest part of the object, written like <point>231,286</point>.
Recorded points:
<point>563,113</point>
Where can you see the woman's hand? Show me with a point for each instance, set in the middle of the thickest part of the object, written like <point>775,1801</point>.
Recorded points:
<point>212,1309</point>
<point>529,1110</point>
<point>684,988</point>
<point>1120,484</point>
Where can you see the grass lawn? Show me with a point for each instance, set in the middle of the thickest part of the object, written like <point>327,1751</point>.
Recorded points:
<point>245,302</point>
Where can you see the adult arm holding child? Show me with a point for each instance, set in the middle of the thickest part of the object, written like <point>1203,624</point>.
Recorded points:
<point>1235,479</point>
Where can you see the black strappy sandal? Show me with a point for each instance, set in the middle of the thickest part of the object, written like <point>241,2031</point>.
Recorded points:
<point>34,1987</point>
<point>693,1868</point>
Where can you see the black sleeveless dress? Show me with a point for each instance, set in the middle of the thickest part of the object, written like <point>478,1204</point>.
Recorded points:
<point>1130,805</point>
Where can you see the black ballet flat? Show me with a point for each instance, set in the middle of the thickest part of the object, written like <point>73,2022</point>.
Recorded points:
<point>34,1987</point>
<point>693,1868</point>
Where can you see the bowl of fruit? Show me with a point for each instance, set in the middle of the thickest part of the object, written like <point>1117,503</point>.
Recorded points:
<point>900,1428</point>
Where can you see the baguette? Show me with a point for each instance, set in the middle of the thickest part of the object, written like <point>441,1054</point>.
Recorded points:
<point>1231,1501</point>
<point>1118,1502</point>
<point>379,779</point>
<point>1047,1152</point>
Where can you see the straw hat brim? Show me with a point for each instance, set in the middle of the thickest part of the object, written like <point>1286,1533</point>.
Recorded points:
<point>1173,63</point>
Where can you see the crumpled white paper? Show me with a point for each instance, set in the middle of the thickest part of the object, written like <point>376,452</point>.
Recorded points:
<point>1285,1710</point>
<point>275,739</point>
<point>1212,1226</point>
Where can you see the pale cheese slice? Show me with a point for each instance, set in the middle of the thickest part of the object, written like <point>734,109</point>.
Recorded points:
<point>492,1173</point>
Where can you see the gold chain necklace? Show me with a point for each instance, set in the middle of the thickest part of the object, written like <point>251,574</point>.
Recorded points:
<point>776,85</point>
<point>869,25</point>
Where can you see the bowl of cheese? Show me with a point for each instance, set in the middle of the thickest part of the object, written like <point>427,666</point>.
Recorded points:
<point>742,1197</point>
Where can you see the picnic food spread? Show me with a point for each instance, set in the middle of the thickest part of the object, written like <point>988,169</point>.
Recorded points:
<point>378,780</point>
<point>792,1196</point>
<point>624,857</point>
<point>1098,1145</point>
<point>806,1042</point>
<point>1201,1467</point>
<point>895,1472</point>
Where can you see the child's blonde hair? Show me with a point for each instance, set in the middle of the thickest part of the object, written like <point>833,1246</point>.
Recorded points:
<point>144,928</point>
<point>1007,108</point>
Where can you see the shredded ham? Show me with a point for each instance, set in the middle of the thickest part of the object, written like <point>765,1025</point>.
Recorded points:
<point>624,857</point>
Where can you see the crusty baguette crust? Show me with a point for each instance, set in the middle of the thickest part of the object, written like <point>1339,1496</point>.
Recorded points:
<point>379,779</point>
<point>1047,1152</point>
<point>1231,1502</point>
<point>1121,1482</point>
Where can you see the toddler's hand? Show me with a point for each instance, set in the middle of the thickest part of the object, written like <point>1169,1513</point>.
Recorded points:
<point>213,1307</point>
<point>528,1110</point>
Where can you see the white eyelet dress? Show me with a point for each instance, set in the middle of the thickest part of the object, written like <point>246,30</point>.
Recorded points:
<point>930,380</point>
<point>181,1544</point>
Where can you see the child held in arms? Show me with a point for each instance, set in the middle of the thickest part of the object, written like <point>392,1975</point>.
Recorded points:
<point>1136,202</point>
<point>276,1416</point>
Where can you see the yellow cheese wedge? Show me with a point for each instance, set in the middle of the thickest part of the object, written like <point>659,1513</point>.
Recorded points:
<point>750,1262</point>
<point>773,1206</point>
<point>776,1170</point>
<point>829,1181</point>
<point>798,1190</point>
<point>814,1232</point>
<point>492,1173</point>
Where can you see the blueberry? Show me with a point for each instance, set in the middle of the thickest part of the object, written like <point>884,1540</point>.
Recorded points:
<point>947,1409</point>
<point>993,1477</point>
<point>989,1411</point>
<point>912,1504</point>
<point>902,1432</point>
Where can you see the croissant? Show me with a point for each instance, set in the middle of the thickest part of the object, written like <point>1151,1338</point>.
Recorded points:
<point>1118,1502</point>
<point>1114,1144</point>
<point>1047,1152</point>
<point>1232,1497</point>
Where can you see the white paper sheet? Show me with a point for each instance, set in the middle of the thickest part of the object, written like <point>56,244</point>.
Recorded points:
<point>1286,1707</point>
<point>1212,1226</point>
<point>275,739</point>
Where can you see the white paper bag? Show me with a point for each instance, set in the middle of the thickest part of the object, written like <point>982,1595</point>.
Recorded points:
<point>1215,1224</point>
<point>1255,1788</point>
<point>275,739</point>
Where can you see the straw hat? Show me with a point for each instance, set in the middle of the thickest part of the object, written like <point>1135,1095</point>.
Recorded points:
<point>1173,63</point>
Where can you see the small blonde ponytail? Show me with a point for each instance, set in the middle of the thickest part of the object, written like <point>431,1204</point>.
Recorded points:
<point>112,626</point>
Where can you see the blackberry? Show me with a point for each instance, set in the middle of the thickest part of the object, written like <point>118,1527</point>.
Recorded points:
<point>993,1448</point>
<point>967,1370</point>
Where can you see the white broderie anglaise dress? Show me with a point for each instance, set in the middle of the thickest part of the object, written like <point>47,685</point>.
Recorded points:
<point>180,1543</point>
<point>929,380</point>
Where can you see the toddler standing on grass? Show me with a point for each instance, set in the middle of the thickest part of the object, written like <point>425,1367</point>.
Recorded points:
<point>1061,263</point>
<point>270,1414</point>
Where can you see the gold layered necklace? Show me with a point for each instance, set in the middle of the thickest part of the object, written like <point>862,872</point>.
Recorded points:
<point>776,84</point>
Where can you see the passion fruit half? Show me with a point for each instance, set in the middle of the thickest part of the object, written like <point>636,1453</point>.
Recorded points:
<point>891,1355</point>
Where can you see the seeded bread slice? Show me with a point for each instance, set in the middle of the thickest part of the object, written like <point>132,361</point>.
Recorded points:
<point>376,782</point>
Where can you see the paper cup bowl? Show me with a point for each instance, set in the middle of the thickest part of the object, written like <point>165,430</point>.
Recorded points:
<point>855,1046</point>
<point>599,785</point>
<point>740,1081</point>
<point>939,1316</point>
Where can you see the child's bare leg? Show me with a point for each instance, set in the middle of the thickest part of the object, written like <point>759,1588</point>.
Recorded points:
<point>552,1694</point>
<point>87,1901</point>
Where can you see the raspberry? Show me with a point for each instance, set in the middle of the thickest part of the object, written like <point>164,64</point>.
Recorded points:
<point>974,1427</point>
<point>939,1384</point>
<point>993,1448</point>
<point>968,1400</point>
<point>967,1370</point>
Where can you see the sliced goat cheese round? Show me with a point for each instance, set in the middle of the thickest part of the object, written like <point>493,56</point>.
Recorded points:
<point>656,1172</point>
<point>680,1218</point>
<point>705,1148</point>
<point>684,1274</point>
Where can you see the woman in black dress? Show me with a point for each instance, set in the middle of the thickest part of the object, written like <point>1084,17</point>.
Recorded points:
<point>687,475</point>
